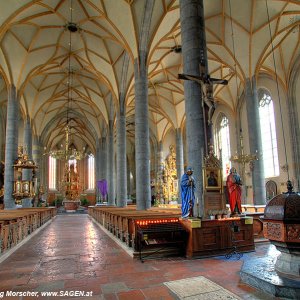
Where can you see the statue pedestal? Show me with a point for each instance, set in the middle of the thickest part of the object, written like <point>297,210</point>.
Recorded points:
<point>71,205</point>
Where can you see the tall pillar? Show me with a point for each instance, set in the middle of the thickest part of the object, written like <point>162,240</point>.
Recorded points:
<point>103,162</point>
<point>97,160</point>
<point>194,54</point>
<point>97,168</point>
<point>179,159</point>
<point>43,171</point>
<point>131,164</point>
<point>2,136</point>
<point>11,146</point>
<point>258,176</point>
<point>121,161</point>
<point>37,158</point>
<point>128,166</point>
<point>160,170</point>
<point>142,144</point>
<point>110,164</point>
<point>103,158</point>
<point>27,145</point>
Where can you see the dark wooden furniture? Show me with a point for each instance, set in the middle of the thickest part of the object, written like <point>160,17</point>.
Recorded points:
<point>160,239</point>
<point>214,237</point>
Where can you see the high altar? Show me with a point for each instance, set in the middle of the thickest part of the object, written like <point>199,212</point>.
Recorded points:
<point>71,186</point>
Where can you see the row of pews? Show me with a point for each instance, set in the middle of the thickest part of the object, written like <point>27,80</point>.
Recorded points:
<point>17,224</point>
<point>162,231</point>
<point>125,222</point>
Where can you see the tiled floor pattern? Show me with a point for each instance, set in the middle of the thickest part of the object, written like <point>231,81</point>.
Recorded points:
<point>74,254</point>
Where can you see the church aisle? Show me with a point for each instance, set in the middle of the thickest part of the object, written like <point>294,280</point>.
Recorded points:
<point>73,254</point>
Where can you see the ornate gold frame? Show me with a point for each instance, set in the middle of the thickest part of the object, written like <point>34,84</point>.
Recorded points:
<point>206,175</point>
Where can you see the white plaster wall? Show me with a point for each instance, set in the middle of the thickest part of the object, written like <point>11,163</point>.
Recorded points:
<point>270,85</point>
<point>282,131</point>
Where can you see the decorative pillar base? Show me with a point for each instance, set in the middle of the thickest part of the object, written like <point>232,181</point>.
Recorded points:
<point>288,263</point>
<point>261,274</point>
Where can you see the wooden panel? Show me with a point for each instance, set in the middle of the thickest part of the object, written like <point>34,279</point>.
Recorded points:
<point>217,237</point>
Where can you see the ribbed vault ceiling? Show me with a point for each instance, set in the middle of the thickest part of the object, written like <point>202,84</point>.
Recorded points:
<point>35,56</point>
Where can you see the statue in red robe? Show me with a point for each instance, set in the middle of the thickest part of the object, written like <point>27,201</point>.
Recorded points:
<point>234,188</point>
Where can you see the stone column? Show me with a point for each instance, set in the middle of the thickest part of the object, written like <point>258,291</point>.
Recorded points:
<point>27,147</point>
<point>103,158</point>
<point>142,144</point>
<point>37,158</point>
<point>2,136</point>
<point>121,161</point>
<point>194,53</point>
<point>11,146</point>
<point>131,167</point>
<point>103,162</point>
<point>128,166</point>
<point>258,176</point>
<point>160,170</point>
<point>97,168</point>
<point>179,159</point>
<point>110,164</point>
<point>43,171</point>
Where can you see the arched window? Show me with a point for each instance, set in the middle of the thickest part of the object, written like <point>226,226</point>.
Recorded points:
<point>223,142</point>
<point>52,173</point>
<point>268,134</point>
<point>91,172</point>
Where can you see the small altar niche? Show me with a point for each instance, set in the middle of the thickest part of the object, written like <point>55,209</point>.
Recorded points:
<point>170,180</point>
<point>214,199</point>
<point>25,183</point>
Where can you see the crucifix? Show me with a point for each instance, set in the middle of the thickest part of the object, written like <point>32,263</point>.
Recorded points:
<point>206,83</point>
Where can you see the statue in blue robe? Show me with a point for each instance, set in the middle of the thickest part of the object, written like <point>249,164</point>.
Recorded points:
<point>187,188</point>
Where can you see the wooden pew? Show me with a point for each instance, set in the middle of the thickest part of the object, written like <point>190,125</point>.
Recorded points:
<point>121,221</point>
<point>17,224</point>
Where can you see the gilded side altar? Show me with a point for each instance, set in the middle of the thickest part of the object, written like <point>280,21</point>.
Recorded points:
<point>170,182</point>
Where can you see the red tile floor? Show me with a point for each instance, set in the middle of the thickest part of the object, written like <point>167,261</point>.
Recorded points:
<point>74,254</point>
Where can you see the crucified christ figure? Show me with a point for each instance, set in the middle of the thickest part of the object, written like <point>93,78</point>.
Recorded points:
<point>206,83</point>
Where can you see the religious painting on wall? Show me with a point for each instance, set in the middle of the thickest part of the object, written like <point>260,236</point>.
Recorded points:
<point>212,179</point>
